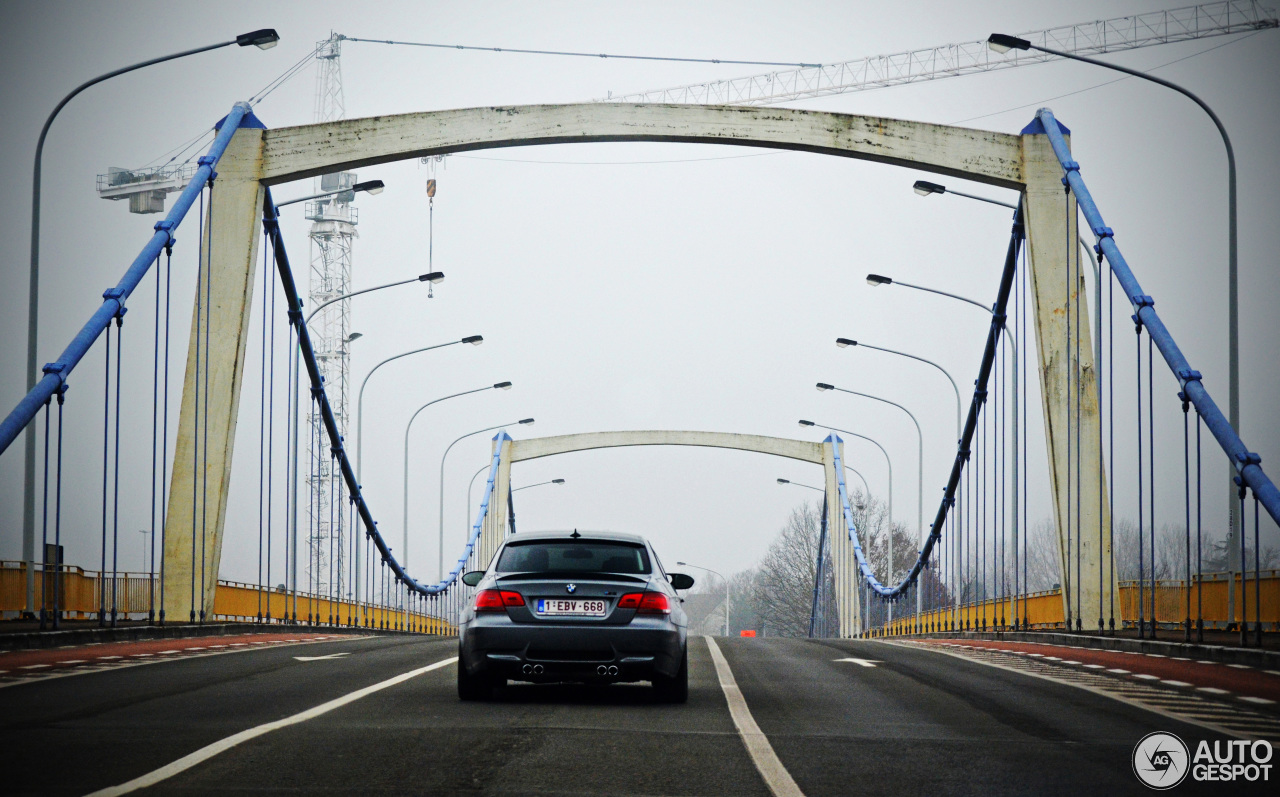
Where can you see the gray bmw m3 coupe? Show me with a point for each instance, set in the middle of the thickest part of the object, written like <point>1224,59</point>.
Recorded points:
<point>592,608</point>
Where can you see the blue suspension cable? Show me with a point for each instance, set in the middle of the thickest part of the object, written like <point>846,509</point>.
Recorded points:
<point>115,499</point>
<point>1142,528</point>
<point>106,447</point>
<point>195,401</point>
<point>155,435</point>
<point>164,424</point>
<point>204,430</point>
<point>57,518</point>
<point>44,527</point>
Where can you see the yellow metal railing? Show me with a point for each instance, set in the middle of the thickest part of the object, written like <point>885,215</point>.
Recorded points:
<point>1043,610</point>
<point>81,593</point>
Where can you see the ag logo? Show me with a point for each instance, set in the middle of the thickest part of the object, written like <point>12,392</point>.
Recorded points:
<point>1160,760</point>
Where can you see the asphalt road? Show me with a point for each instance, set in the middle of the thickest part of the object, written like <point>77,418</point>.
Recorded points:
<point>918,722</point>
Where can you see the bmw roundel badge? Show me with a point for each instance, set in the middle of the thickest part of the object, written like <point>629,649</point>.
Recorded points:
<point>570,588</point>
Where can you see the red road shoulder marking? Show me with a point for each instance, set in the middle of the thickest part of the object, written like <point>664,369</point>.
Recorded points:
<point>112,655</point>
<point>1250,684</point>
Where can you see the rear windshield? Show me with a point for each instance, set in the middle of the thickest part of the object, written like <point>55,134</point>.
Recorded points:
<point>545,556</point>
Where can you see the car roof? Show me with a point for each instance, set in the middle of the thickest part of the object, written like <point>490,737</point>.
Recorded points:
<point>612,536</point>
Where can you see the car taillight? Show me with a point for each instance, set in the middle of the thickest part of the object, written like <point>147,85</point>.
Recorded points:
<point>512,598</point>
<point>654,603</point>
<point>630,600</point>
<point>495,600</point>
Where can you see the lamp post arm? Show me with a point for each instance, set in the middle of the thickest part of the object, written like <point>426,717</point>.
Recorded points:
<point>357,293</point>
<point>1010,205</point>
<point>360,398</point>
<point>405,509</point>
<point>471,486</point>
<point>442,459</point>
<point>865,488</point>
<point>919,455</point>
<point>320,195</point>
<point>929,362</point>
<point>526,487</point>
<point>943,293</point>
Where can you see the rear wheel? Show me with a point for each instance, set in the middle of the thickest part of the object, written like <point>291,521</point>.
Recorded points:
<point>473,687</point>
<point>675,689</point>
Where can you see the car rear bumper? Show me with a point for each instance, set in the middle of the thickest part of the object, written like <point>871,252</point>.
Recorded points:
<point>610,653</point>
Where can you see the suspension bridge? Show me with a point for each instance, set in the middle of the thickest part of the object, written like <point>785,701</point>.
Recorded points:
<point>914,646</point>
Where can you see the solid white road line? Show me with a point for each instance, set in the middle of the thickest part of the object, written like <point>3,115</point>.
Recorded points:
<point>209,751</point>
<point>771,769</point>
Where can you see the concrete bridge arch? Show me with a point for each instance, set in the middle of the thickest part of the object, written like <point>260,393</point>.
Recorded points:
<point>257,158</point>
<point>822,454</point>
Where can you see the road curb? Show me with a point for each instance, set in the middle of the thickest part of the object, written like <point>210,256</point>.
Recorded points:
<point>1262,659</point>
<point>30,640</point>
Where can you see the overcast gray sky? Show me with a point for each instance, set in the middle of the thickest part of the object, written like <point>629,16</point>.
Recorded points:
<point>638,286</point>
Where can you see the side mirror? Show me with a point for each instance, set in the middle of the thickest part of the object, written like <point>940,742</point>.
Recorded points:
<point>680,580</point>
<point>473,578</point>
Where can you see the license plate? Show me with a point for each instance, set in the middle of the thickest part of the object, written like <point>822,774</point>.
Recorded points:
<point>565,606</point>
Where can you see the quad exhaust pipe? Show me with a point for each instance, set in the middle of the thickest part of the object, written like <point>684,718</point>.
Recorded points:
<point>534,669</point>
<point>603,670</point>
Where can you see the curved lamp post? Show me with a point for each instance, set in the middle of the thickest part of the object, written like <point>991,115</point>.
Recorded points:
<point>876,279</point>
<point>404,525</point>
<point>294,375</point>
<point>888,462</point>
<point>263,39</point>
<point>846,342</point>
<point>1002,43</point>
<point>525,422</point>
<point>726,584</point>
<point>822,388</point>
<point>475,340</point>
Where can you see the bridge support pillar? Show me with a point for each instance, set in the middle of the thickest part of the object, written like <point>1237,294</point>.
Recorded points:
<point>498,518</point>
<point>201,474</point>
<point>1068,386</point>
<point>847,577</point>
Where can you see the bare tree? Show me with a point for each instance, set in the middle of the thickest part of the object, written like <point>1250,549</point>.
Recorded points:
<point>784,596</point>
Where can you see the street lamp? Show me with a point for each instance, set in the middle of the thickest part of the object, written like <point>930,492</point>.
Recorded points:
<point>925,188</point>
<point>404,526</point>
<point>879,280</point>
<point>1002,43</point>
<point>263,39</point>
<point>726,586</point>
<point>475,340</point>
<point>432,278</point>
<point>822,388</point>
<point>525,422</point>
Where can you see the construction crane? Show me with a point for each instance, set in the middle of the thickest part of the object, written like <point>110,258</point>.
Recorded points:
<point>953,60</point>
<point>333,232</point>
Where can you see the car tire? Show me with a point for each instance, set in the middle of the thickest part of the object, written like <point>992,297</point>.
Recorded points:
<point>473,687</point>
<point>674,689</point>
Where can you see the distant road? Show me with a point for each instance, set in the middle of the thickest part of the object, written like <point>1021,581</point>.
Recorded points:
<point>894,720</point>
